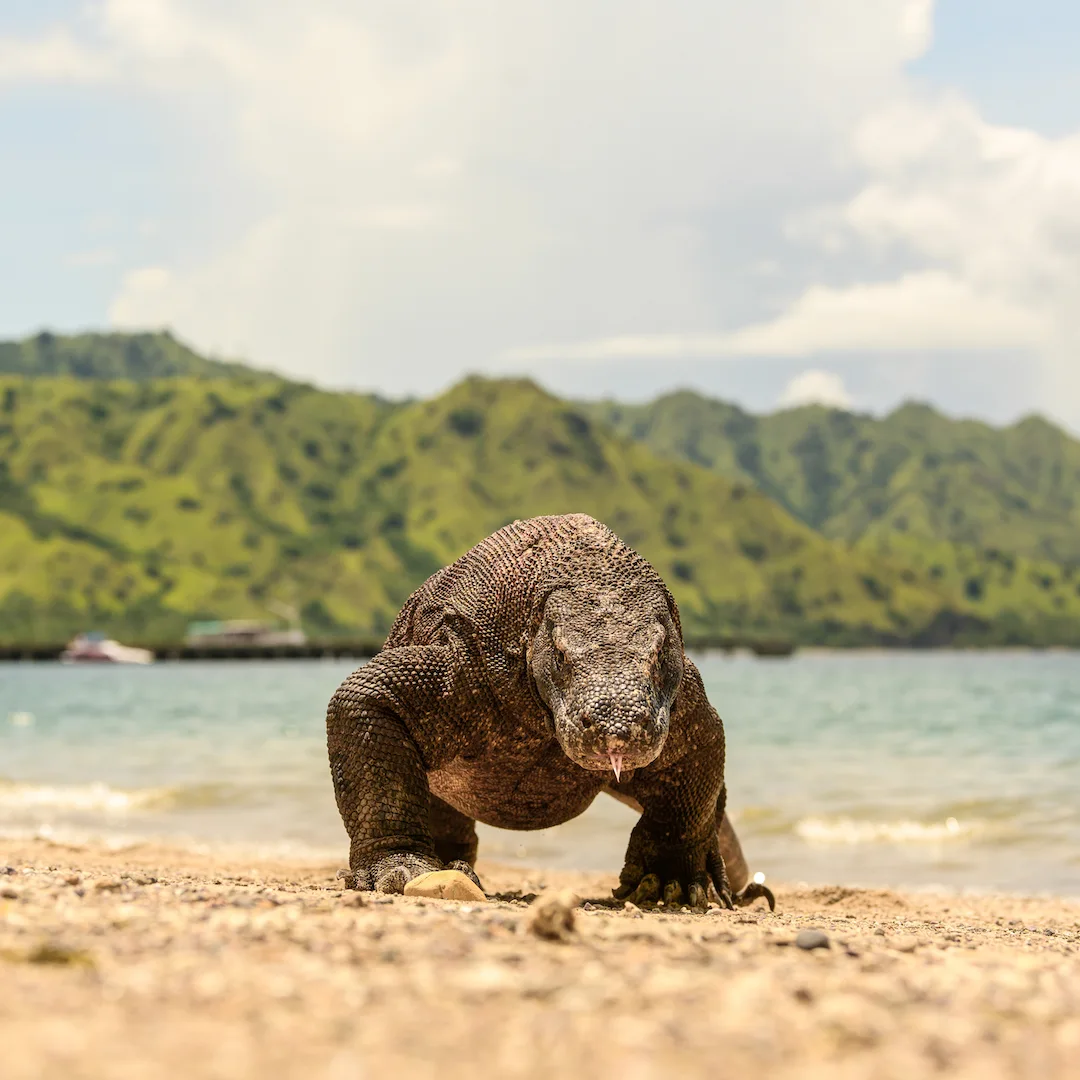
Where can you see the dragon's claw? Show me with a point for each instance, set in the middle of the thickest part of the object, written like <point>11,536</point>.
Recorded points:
<point>698,890</point>
<point>755,891</point>
<point>391,871</point>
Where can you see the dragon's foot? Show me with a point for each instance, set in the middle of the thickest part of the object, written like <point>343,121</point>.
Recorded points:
<point>693,876</point>
<point>391,871</point>
<point>755,891</point>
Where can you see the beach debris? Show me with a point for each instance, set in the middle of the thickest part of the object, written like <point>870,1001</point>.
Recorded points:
<point>445,885</point>
<point>56,953</point>
<point>812,939</point>
<point>551,915</point>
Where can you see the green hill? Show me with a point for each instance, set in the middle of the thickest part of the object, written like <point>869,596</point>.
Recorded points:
<point>135,507</point>
<point>914,472</point>
<point>113,356</point>
<point>993,514</point>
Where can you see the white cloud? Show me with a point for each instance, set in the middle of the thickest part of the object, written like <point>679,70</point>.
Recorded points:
<point>144,298</point>
<point>927,310</point>
<point>431,181</point>
<point>404,191</point>
<point>983,222</point>
<point>917,26</point>
<point>816,388</point>
<point>55,58</point>
<point>995,209</point>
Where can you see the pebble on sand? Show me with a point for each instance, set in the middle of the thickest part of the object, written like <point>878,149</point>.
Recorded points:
<point>445,885</point>
<point>551,915</point>
<point>812,939</point>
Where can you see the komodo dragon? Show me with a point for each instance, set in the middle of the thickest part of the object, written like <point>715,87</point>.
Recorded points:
<point>544,666</point>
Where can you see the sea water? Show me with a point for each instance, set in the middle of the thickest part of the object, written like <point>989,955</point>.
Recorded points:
<point>951,769</point>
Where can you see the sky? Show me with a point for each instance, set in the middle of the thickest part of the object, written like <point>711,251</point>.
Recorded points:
<point>849,201</point>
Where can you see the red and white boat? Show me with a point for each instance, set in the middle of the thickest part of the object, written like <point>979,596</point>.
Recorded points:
<point>95,648</point>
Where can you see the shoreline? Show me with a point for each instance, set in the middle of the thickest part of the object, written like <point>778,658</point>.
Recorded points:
<point>332,652</point>
<point>299,857</point>
<point>152,960</point>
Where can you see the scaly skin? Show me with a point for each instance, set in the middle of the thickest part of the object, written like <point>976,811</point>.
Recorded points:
<point>544,666</point>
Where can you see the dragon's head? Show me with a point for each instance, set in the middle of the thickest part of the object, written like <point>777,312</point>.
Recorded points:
<point>608,663</point>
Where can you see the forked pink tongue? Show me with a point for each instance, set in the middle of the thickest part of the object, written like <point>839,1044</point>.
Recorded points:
<point>616,764</point>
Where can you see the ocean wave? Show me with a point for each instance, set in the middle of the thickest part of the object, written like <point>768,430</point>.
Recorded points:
<point>91,838</point>
<point>84,798</point>
<point>816,830</point>
<point>19,798</point>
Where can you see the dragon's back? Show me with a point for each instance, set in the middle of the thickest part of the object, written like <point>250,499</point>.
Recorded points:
<point>494,590</point>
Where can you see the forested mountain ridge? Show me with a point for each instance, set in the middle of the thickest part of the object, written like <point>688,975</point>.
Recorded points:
<point>140,505</point>
<point>139,356</point>
<point>136,505</point>
<point>913,472</point>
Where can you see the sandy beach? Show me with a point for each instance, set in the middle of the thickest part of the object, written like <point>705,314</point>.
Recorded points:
<point>153,961</point>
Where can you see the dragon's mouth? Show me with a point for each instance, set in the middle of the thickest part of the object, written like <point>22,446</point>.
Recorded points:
<point>600,751</point>
<point>612,761</point>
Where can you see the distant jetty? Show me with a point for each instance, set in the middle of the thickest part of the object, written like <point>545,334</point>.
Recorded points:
<point>310,650</point>
<point>343,649</point>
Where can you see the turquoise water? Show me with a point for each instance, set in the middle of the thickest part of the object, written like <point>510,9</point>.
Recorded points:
<point>953,769</point>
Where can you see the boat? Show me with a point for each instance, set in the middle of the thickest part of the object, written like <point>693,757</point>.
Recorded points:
<point>95,648</point>
<point>241,634</point>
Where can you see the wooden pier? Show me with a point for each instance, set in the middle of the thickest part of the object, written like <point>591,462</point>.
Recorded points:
<point>333,649</point>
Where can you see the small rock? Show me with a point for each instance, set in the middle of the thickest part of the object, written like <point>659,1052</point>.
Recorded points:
<point>8,893</point>
<point>8,870</point>
<point>632,910</point>
<point>445,885</point>
<point>108,884</point>
<point>551,915</point>
<point>72,879</point>
<point>812,939</point>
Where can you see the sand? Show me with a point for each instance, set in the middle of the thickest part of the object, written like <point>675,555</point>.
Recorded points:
<point>156,962</point>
